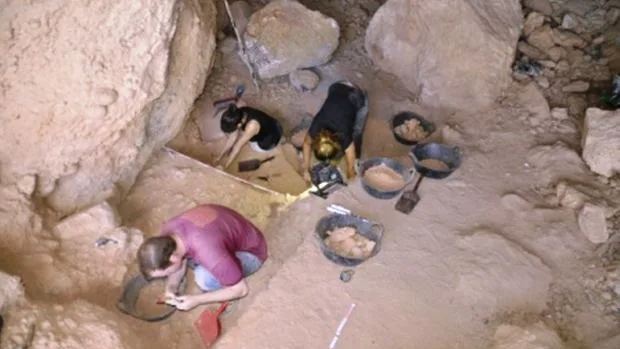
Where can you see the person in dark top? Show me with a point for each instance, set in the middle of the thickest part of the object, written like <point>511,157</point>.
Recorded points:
<point>337,129</point>
<point>262,131</point>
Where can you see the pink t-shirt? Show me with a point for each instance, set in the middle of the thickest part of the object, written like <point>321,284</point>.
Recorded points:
<point>212,234</point>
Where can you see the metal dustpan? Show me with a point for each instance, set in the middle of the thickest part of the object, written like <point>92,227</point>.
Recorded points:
<point>208,325</point>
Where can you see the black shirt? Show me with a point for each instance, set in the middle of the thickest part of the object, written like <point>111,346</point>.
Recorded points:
<point>270,129</point>
<point>338,113</point>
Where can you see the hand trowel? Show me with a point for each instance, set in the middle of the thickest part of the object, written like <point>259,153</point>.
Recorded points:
<point>409,198</point>
<point>252,164</point>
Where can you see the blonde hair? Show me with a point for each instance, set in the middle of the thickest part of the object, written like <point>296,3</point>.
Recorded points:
<point>326,146</point>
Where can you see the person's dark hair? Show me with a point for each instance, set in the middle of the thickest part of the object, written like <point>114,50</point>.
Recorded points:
<point>155,253</point>
<point>231,119</point>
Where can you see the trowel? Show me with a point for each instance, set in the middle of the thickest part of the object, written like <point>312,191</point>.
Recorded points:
<point>409,198</point>
<point>238,93</point>
<point>252,164</point>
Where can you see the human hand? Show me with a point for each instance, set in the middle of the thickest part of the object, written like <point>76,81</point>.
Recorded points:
<point>186,303</point>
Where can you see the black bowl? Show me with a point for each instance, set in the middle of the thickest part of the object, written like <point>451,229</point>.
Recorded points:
<point>405,116</point>
<point>368,229</point>
<point>450,155</point>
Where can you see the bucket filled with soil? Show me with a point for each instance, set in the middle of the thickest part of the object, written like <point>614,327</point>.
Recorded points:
<point>348,240</point>
<point>410,128</point>
<point>384,178</point>
<point>435,160</point>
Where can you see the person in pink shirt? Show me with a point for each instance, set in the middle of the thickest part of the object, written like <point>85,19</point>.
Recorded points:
<point>219,244</point>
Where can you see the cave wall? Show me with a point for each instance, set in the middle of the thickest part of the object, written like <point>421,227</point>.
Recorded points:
<point>89,90</point>
<point>454,54</point>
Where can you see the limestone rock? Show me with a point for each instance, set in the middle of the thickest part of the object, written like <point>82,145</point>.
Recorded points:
<point>285,36</point>
<point>304,80</point>
<point>556,53</point>
<point>125,76</point>
<point>11,290</point>
<point>94,221</point>
<point>537,336</point>
<point>432,63</point>
<point>228,45</point>
<point>569,21</point>
<point>542,6</point>
<point>241,12</point>
<point>570,197</point>
<point>576,86</point>
<point>531,51</point>
<point>567,39</point>
<point>601,141</point>
<point>542,38</point>
<point>533,21</point>
<point>593,224</point>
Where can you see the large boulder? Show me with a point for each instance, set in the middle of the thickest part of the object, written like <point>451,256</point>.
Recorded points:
<point>91,89</point>
<point>601,141</point>
<point>455,54</point>
<point>285,36</point>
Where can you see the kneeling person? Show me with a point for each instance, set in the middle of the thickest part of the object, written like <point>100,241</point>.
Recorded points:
<point>220,245</point>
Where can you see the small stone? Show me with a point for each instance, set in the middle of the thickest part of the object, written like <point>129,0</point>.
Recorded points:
<point>533,21</point>
<point>58,308</point>
<point>70,323</point>
<point>570,197</point>
<point>593,224</point>
<point>569,22</point>
<point>520,77</point>
<point>575,57</point>
<point>227,46</point>
<point>556,53</point>
<point>531,51</point>
<point>27,184</point>
<point>542,6</point>
<point>515,202</point>
<point>18,340</point>
<point>577,86</point>
<point>562,66</point>
<point>607,296</point>
<point>105,96</point>
<point>617,289</point>
<point>304,80</point>
<point>542,81</point>
<point>567,39</point>
<point>612,16</point>
<point>599,40</point>
<point>547,64</point>
<point>542,38</point>
<point>559,113</point>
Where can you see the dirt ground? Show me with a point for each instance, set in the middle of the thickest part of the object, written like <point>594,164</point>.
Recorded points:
<point>490,245</point>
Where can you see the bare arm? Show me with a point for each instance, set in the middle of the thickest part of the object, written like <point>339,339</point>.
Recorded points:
<point>230,141</point>
<point>251,130</point>
<point>174,280</point>
<point>238,290</point>
<point>350,159</point>
<point>307,147</point>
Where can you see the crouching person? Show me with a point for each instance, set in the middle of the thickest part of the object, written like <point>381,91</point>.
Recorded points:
<point>221,246</point>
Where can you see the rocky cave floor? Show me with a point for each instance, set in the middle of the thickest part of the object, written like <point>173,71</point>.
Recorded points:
<point>499,253</point>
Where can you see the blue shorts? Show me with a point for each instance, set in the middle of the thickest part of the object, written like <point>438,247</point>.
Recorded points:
<point>207,282</point>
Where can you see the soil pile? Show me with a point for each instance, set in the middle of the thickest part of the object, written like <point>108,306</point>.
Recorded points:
<point>382,177</point>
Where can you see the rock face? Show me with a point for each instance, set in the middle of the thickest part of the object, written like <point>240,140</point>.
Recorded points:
<point>593,224</point>
<point>285,36</point>
<point>419,42</point>
<point>537,336</point>
<point>124,77</point>
<point>601,141</point>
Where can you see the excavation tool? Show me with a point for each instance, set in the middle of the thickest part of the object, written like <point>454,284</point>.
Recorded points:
<point>208,324</point>
<point>448,156</point>
<point>238,94</point>
<point>253,164</point>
